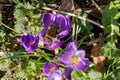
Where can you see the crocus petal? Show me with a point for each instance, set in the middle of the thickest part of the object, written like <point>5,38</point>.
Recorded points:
<point>64,25</point>
<point>69,23</point>
<point>55,44</point>
<point>42,34</point>
<point>71,44</point>
<point>22,39</point>
<point>46,68</point>
<point>48,19</point>
<point>62,34</point>
<point>66,58</point>
<point>82,65</point>
<point>61,20</point>
<point>80,53</point>
<point>67,72</point>
<point>35,43</point>
<point>57,75</point>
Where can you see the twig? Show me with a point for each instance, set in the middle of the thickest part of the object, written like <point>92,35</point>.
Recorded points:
<point>17,34</point>
<point>8,27</point>
<point>71,14</point>
<point>73,5</point>
<point>97,6</point>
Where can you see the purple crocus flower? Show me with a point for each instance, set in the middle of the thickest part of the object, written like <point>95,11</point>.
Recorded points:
<point>55,28</point>
<point>74,59</point>
<point>52,71</point>
<point>29,42</point>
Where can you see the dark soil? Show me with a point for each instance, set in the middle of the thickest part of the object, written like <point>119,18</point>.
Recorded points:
<point>6,8</point>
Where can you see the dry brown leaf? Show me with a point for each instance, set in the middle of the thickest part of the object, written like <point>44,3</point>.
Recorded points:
<point>98,59</point>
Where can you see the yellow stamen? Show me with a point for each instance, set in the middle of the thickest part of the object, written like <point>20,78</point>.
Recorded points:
<point>75,60</point>
<point>52,69</point>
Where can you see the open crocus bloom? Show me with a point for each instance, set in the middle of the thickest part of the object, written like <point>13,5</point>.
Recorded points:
<point>74,59</point>
<point>51,70</point>
<point>55,27</point>
<point>29,42</point>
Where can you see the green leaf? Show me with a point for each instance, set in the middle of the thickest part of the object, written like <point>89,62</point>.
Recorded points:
<point>108,14</point>
<point>93,75</point>
<point>117,16</point>
<point>115,75</point>
<point>79,75</point>
<point>24,62</point>
<point>21,19</point>
<point>15,1</point>
<point>111,31</point>
<point>44,54</point>
<point>19,73</point>
<point>83,27</point>
<point>0,19</point>
<point>117,4</point>
<point>32,65</point>
<point>2,35</point>
<point>27,17</point>
<point>117,63</point>
<point>37,62</point>
<point>110,19</point>
<point>109,50</point>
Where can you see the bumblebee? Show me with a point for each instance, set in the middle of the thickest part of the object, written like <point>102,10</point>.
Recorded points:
<point>53,30</point>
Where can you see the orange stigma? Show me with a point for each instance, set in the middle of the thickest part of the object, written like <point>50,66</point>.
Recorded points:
<point>31,41</point>
<point>75,60</point>
<point>52,69</point>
